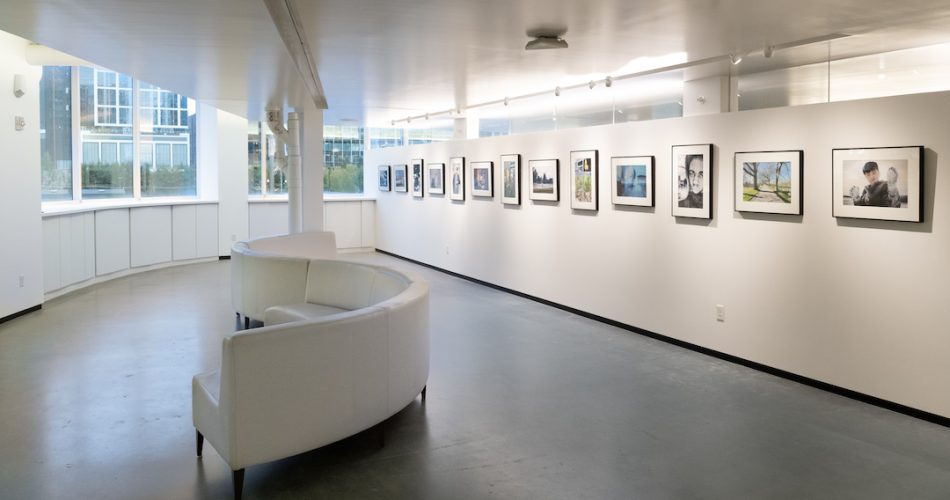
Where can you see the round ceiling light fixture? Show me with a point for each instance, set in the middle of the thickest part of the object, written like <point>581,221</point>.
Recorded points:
<point>546,38</point>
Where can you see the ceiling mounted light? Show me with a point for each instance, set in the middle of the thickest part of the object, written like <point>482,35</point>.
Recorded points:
<point>427,116</point>
<point>392,123</point>
<point>557,91</point>
<point>546,42</point>
<point>735,59</point>
<point>767,52</point>
<point>506,101</point>
<point>608,82</point>
<point>546,38</point>
<point>591,85</point>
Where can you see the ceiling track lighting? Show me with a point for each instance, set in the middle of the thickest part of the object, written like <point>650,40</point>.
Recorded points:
<point>735,59</point>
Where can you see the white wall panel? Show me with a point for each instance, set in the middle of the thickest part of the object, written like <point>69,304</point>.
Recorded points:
<point>267,219</point>
<point>184,232</point>
<point>368,223</point>
<point>858,304</point>
<point>89,244</point>
<point>112,240</point>
<point>151,235</point>
<point>344,218</point>
<point>206,229</point>
<point>51,249</point>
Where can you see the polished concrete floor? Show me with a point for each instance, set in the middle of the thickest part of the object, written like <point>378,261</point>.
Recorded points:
<point>524,401</point>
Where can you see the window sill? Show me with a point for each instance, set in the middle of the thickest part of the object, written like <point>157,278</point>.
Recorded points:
<point>64,208</point>
<point>347,197</point>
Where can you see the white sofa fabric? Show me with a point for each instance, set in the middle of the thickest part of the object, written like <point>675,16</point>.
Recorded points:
<point>272,271</point>
<point>294,386</point>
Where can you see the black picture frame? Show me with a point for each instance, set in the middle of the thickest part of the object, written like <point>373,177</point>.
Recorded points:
<point>851,168</point>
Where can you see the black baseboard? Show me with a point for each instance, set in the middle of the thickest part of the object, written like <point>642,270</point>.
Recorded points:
<point>21,313</point>
<point>224,257</point>
<point>801,379</point>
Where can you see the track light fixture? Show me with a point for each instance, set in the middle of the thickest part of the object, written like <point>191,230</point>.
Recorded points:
<point>591,85</point>
<point>735,59</point>
<point>608,82</point>
<point>506,101</point>
<point>427,116</point>
<point>557,91</point>
<point>767,52</point>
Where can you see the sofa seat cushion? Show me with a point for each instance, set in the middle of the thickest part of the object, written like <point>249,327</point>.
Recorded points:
<point>297,312</point>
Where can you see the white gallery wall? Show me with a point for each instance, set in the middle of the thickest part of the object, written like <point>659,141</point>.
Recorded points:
<point>20,223</point>
<point>858,304</point>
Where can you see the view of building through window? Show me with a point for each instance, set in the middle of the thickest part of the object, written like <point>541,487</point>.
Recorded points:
<point>110,149</point>
<point>266,171</point>
<point>343,159</point>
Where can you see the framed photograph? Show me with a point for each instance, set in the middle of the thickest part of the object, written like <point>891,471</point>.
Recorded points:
<point>511,179</point>
<point>384,178</point>
<point>584,180</point>
<point>417,177</point>
<point>399,178</point>
<point>482,182</point>
<point>436,178</point>
<point>545,177</point>
<point>692,181</point>
<point>632,182</point>
<point>769,182</point>
<point>878,183</point>
<point>457,178</point>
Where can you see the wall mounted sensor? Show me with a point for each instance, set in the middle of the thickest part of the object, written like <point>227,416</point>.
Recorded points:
<point>18,86</point>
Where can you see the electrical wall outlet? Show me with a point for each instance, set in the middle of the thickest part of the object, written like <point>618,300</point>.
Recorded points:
<point>22,281</point>
<point>19,123</point>
<point>720,313</point>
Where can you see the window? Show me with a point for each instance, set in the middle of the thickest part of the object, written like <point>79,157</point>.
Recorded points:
<point>122,153</point>
<point>266,169</point>
<point>56,155</point>
<point>343,159</point>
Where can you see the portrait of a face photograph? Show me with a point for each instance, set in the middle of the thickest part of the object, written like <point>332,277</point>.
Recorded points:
<point>544,180</point>
<point>457,179</point>
<point>878,183</point>
<point>769,182</point>
<point>632,180</point>
<point>692,173</point>
<point>436,178</point>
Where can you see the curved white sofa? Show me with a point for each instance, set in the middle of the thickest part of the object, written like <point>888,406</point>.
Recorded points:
<point>350,352</point>
<point>273,270</point>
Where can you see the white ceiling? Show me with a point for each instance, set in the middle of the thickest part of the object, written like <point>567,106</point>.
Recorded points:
<point>385,59</point>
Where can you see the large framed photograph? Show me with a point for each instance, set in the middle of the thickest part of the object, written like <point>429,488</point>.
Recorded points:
<point>511,179</point>
<point>878,183</point>
<point>482,182</point>
<point>584,180</point>
<point>632,180</point>
<point>417,177</point>
<point>545,180</point>
<point>457,178</point>
<point>436,178</point>
<point>399,179</point>
<point>384,178</point>
<point>692,181</point>
<point>769,182</point>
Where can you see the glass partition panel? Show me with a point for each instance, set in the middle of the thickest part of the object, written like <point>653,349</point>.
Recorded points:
<point>56,140</point>
<point>105,107</point>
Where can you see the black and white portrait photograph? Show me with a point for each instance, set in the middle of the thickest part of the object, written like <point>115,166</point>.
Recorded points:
<point>878,183</point>
<point>692,181</point>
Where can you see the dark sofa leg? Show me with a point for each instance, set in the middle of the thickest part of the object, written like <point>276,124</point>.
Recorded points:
<point>199,442</point>
<point>238,480</point>
<point>424,392</point>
